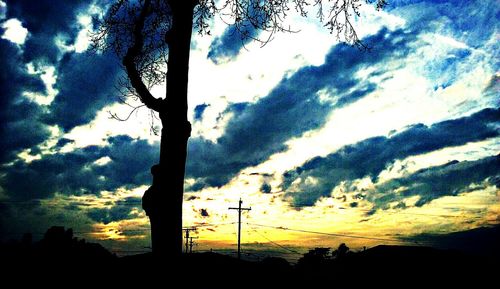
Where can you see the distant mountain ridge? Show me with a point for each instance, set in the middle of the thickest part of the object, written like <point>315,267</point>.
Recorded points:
<point>483,241</point>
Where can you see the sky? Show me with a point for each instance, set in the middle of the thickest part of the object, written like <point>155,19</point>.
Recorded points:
<point>326,143</point>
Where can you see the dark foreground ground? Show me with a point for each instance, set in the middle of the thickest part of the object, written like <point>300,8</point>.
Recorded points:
<point>63,261</point>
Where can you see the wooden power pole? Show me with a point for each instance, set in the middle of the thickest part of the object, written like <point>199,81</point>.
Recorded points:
<point>191,243</point>
<point>187,230</point>
<point>239,224</point>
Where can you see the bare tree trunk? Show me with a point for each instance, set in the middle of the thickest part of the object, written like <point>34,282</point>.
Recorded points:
<point>166,221</point>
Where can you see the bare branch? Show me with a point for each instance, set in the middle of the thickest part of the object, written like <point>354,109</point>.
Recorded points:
<point>138,32</point>
<point>129,61</point>
<point>251,17</point>
<point>144,57</point>
<point>115,116</point>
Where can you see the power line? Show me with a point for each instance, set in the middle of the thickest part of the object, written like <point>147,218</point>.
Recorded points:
<point>211,225</point>
<point>274,243</point>
<point>328,234</point>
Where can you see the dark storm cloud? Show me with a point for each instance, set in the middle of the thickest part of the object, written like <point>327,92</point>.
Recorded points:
<point>62,142</point>
<point>265,188</point>
<point>293,107</point>
<point>86,83</point>
<point>19,118</point>
<point>131,161</point>
<point>19,218</point>
<point>228,45</point>
<point>107,216</point>
<point>198,111</point>
<point>447,180</point>
<point>233,39</point>
<point>123,210</point>
<point>46,19</point>
<point>369,157</point>
<point>75,173</point>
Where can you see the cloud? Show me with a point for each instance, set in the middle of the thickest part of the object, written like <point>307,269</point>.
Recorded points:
<point>24,123</point>
<point>76,173</point>
<point>228,45</point>
<point>198,111</point>
<point>122,210</point>
<point>234,38</point>
<point>442,25</point>
<point>299,103</point>
<point>44,21</point>
<point>3,10</point>
<point>319,176</point>
<point>20,127</point>
<point>14,31</point>
<point>448,15</point>
<point>62,142</point>
<point>34,217</point>
<point>447,180</point>
<point>265,188</point>
<point>86,83</point>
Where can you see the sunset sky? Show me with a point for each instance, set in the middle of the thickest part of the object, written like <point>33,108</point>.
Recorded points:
<point>367,148</point>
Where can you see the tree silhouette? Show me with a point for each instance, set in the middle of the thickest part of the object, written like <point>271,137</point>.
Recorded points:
<point>341,251</point>
<point>152,38</point>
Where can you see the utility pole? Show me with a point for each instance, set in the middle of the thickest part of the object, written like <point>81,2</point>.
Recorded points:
<point>187,230</point>
<point>239,224</point>
<point>191,243</point>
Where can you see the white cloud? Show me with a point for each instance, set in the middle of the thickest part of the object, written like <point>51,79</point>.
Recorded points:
<point>102,161</point>
<point>257,70</point>
<point>102,127</point>
<point>83,39</point>
<point>14,31</point>
<point>49,77</point>
<point>404,97</point>
<point>252,75</point>
<point>3,10</point>
<point>447,41</point>
<point>214,121</point>
<point>45,147</point>
<point>27,157</point>
<point>468,152</point>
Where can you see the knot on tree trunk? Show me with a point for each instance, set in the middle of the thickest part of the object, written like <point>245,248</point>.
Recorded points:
<point>150,196</point>
<point>187,129</point>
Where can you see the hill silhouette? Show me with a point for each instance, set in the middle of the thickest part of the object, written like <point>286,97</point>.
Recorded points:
<point>482,241</point>
<point>60,256</point>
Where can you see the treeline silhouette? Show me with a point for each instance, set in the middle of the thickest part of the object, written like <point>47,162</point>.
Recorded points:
<point>58,252</point>
<point>61,256</point>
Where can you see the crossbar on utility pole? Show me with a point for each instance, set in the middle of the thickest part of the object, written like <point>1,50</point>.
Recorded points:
<point>239,224</point>
<point>187,230</point>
